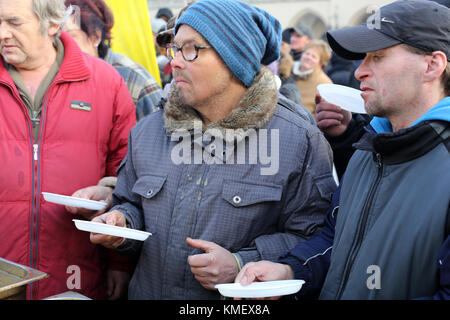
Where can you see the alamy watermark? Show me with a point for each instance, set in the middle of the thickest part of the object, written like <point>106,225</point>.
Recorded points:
<point>374,280</point>
<point>74,280</point>
<point>215,146</point>
<point>374,20</point>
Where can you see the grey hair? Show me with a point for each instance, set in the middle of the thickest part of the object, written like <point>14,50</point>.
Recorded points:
<point>51,12</point>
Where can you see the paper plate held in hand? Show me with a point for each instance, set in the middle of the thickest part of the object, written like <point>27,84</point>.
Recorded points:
<point>345,97</point>
<point>260,289</point>
<point>116,231</point>
<point>73,201</point>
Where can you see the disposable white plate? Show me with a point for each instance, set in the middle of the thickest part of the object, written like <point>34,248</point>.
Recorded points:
<point>73,201</point>
<point>69,295</point>
<point>103,228</point>
<point>260,289</point>
<point>345,97</point>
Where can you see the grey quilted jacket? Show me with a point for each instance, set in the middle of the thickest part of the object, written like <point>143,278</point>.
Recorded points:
<point>177,182</point>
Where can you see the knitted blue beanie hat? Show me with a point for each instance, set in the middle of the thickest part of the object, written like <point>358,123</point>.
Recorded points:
<point>244,36</point>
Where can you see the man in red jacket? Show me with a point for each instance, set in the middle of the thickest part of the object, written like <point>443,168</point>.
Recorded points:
<point>64,124</point>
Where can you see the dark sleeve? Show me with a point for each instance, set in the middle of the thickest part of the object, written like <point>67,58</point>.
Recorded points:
<point>310,260</point>
<point>443,262</point>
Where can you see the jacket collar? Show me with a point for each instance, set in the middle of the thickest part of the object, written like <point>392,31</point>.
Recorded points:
<point>73,67</point>
<point>253,112</point>
<point>405,144</point>
<point>440,111</point>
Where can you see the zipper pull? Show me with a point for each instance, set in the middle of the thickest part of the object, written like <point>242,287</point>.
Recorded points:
<point>35,149</point>
<point>379,163</point>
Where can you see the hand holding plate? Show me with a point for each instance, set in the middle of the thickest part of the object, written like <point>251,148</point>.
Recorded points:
<point>97,193</point>
<point>264,271</point>
<point>331,119</point>
<point>114,218</point>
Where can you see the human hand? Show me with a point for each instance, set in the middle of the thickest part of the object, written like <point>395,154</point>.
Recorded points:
<point>216,265</point>
<point>98,193</point>
<point>331,119</point>
<point>264,271</point>
<point>117,283</point>
<point>115,218</point>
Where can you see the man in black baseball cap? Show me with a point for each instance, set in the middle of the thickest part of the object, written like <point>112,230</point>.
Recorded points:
<point>387,232</point>
<point>419,25</point>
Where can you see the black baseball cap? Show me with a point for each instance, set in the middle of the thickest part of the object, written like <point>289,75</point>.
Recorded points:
<point>419,23</point>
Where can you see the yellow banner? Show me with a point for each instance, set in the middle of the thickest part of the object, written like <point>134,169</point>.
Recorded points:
<point>132,33</point>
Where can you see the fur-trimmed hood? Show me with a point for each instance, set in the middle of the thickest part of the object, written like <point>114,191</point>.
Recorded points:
<point>254,110</point>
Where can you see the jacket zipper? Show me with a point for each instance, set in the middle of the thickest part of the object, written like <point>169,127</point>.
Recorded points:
<point>361,227</point>
<point>34,211</point>
<point>36,188</point>
<point>35,151</point>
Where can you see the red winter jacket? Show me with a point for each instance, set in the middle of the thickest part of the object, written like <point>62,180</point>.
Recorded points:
<point>75,149</point>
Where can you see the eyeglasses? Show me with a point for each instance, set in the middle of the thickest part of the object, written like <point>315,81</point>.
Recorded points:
<point>189,51</point>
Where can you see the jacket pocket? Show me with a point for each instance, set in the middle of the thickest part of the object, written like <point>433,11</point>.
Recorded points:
<point>325,186</point>
<point>241,194</point>
<point>148,186</point>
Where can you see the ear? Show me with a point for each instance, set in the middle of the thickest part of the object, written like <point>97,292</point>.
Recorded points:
<point>437,62</point>
<point>53,29</point>
<point>96,37</point>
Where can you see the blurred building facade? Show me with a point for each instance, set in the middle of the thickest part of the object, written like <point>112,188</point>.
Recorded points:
<point>320,15</point>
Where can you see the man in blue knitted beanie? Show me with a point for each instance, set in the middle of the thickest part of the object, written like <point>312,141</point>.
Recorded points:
<point>242,35</point>
<point>223,181</point>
